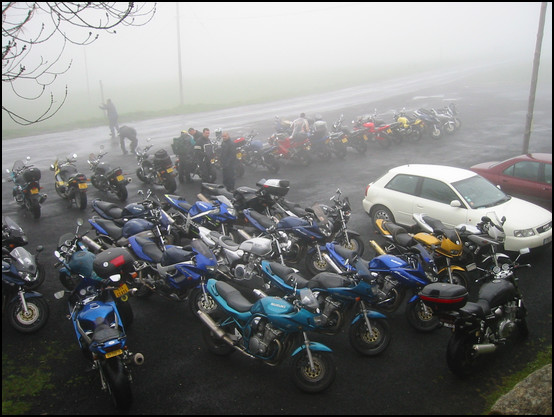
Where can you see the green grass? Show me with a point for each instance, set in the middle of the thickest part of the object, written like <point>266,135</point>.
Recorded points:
<point>544,357</point>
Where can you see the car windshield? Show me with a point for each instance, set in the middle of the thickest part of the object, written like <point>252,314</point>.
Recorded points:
<point>479,192</point>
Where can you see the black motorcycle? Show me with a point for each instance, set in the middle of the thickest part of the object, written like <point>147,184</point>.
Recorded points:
<point>69,183</point>
<point>14,237</point>
<point>158,170</point>
<point>255,153</point>
<point>479,328</point>
<point>356,139</point>
<point>107,179</point>
<point>27,310</point>
<point>26,189</point>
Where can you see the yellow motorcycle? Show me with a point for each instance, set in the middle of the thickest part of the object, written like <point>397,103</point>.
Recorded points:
<point>69,183</point>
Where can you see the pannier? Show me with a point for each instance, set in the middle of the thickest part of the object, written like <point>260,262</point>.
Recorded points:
<point>276,187</point>
<point>113,261</point>
<point>162,159</point>
<point>31,174</point>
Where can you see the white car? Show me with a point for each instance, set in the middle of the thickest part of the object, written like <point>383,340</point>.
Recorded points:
<point>455,196</point>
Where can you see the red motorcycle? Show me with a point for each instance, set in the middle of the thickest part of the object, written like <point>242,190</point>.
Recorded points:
<point>376,129</point>
<point>292,150</point>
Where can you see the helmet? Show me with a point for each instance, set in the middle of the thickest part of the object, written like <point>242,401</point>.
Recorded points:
<point>318,117</point>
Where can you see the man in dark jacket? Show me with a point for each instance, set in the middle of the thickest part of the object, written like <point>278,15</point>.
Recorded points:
<point>127,132</point>
<point>112,116</point>
<point>183,147</point>
<point>228,160</point>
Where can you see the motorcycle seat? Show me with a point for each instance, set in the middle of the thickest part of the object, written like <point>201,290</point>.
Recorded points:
<point>110,210</point>
<point>228,242</point>
<point>328,280</point>
<point>289,275</point>
<point>104,332</point>
<point>262,219</point>
<point>233,297</point>
<point>480,309</point>
<point>171,256</point>
<point>112,229</point>
<point>347,254</point>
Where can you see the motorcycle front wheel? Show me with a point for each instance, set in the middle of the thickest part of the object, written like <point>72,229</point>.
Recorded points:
<point>315,264</point>
<point>119,386</point>
<point>125,312</point>
<point>460,355</point>
<point>199,301</point>
<point>369,343</point>
<point>32,321</point>
<point>354,243</point>
<point>315,379</point>
<point>421,317</point>
<point>272,164</point>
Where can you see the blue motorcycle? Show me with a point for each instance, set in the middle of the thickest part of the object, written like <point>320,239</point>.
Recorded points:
<point>95,310</point>
<point>338,296</point>
<point>270,329</point>
<point>175,272</point>
<point>391,278</point>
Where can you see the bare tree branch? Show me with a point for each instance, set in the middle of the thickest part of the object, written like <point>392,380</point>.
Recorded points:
<point>19,34</point>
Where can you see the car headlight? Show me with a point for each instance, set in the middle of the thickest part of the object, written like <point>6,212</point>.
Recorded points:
<point>524,233</point>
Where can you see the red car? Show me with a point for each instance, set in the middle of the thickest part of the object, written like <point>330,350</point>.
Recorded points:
<point>525,176</point>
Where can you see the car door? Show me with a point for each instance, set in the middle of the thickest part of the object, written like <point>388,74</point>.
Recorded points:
<point>522,179</point>
<point>434,198</point>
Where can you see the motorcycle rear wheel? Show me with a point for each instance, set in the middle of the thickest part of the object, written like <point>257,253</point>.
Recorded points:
<point>38,312</point>
<point>272,164</point>
<point>317,379</point>
<point>81,200</point>
<point>34,208</point>
<point>366,343</point>
<point>121,192</point>
<point>360,146</point>
<point>170,184</point>
<point>460,356</point>
<point>119,386</point>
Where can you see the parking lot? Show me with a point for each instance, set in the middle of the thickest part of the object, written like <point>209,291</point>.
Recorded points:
<point>179,375</point>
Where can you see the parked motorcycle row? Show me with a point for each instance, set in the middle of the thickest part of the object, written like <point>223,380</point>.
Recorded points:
<point>263,275</point>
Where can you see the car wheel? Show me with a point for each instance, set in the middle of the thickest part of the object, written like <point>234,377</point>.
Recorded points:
<point>381,212</point>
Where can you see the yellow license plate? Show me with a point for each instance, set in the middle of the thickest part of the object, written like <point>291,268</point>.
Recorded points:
<point>344,140</point>
<point>120,178</point>
<point>83,185</point>
<point>114,353</point>
<point>34,190</point>
<point>124,289</point>
<point>365,137</point>
<point>169,169</point>
<point>239,155</point>
<point>389,131</point>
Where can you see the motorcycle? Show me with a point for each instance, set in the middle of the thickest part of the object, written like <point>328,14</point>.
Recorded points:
<point>433,126</point>
<point>325,144</point>
<point>407,128</point>
<point>256,153</point>
<point>107,179</point>
<point>270,329</point>
<point>479,328</point>
<point>69,183</point>
<point>27,309</point>
<point>356,139</point>
<point>13,237</point>
<point>391,278</point>
<point>26,188</point>
<point>174,272</point>
<point>338,296</point>
<point>158,170</point>
<point>96,312</point>
<point>376,129</point>
<point>287,149</point>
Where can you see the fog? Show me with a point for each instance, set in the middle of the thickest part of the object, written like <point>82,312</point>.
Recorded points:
<point>235,52</point>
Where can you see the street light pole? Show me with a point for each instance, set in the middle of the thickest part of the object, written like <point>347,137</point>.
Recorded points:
<point>536,61</point>
<point>179,57</point>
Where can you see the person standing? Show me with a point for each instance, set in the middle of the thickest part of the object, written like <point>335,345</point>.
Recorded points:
<point>195,133</point>
<point>183,147</point>
<point>202,155</point>
<point>228,161</point>
<point>127,132</point>
<point>112,116</point>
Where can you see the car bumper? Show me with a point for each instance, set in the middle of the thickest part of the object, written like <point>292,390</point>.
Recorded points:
<point>537,241</point>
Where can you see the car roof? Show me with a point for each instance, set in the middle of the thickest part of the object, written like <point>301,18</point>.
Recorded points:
<point>540,157</point>
<point>439,172</point>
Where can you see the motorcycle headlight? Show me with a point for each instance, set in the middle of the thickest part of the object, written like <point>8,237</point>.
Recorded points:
<point>524,233</point>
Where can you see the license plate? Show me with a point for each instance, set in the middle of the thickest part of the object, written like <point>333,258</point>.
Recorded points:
<point>547,240</point>
<point>449,325</point>
<point>239,155</point>
<point>120,178</point>
<point>121,290</point>
<point>114,353</point>
<point>169,169</point>
<point>83,185</point>
<point>389,131</point>
<point>34,190</point>
<point>344,140</point>
<point>365,137</point>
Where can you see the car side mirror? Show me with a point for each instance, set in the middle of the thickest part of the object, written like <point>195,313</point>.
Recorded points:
<point>455,203</point>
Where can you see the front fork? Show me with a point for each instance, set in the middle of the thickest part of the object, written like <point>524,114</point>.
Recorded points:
<point>21,295</point>
<point>366,318</point>
<point>308,351</point>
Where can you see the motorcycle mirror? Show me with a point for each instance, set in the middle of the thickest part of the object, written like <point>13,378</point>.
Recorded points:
<point>51,167</point>
<point>40,248</point>
<point>115,278</point>
<point>79,222</point>
<point>28,158</point>
<point>148,139</point>
<point>7,170</point>
<point>101,147</point>
<point>74,155</point>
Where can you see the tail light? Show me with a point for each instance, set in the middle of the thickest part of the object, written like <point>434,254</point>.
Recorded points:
<point>367,189</point>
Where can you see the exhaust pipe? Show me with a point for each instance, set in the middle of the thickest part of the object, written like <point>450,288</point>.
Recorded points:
<point>377,247</point>
<point>129,179</point>
<point>91,244</point>
<point>138,358</point>
<point>330,262</point>
<point>208,321</point>
<point>244,234</point>
<point>485,348</point>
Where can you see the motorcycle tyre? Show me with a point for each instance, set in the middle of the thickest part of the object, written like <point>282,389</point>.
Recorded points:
<point>399,294</point>
<point>360,146</point>
<point>39,312</point>
<point>458,278</point>
<point>140,173</point>
<point>384,143</point>
<point>314,265</point>
<point>435,133</point>
<point>416,135</point>
<point>457,123</point>
<point>216,345</point>
<point>314,381</point>
<point>121,192</point>
<point>304,158</point>
<point>356,244</point>
<point>125,312</point>
<point>210,175</point>
<point>340,150</point>
<point>397,138</point>
<point>272,164</point>
<point>460,358</point>
<point>81,200</point>
<point>41,276</point>
<point>34,208</point>
<point>119,386</point>
<point>420,320</point>
<point>360,338</point>
<point>197,302</point>
<point>449,129</point>
<point>170,184</point>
